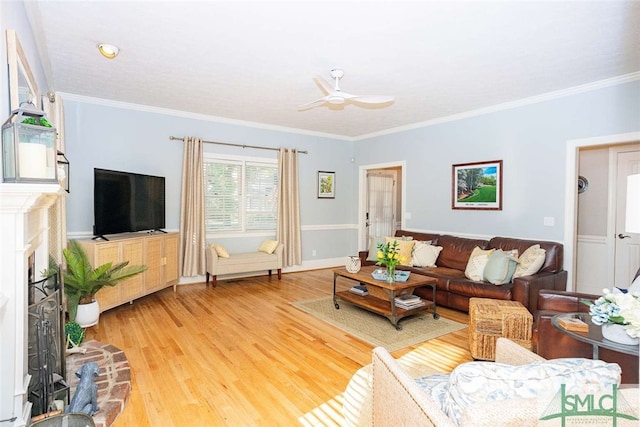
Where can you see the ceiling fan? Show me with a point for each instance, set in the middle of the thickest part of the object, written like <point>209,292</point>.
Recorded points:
<point>336,96</point>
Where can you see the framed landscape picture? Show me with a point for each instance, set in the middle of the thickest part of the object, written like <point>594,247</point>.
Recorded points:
<point>477,186</point>
<point>326,185</point>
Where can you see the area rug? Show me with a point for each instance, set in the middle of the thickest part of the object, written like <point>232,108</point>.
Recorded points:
<point>376,329</point>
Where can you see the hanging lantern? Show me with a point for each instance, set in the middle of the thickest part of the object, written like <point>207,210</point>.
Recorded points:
<point>28,147</point>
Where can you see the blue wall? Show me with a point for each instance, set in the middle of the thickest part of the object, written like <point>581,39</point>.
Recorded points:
<point>112,137</point>
<point>531,141</point>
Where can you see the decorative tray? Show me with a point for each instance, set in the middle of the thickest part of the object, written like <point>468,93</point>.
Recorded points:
<point>381,274</point>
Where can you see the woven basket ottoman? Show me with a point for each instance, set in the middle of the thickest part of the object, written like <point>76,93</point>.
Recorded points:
<point>490,319</point>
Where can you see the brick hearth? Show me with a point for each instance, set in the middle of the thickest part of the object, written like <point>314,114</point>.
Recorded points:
<point>114,379</point>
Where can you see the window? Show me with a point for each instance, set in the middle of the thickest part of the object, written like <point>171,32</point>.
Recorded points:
<point>240,194</point>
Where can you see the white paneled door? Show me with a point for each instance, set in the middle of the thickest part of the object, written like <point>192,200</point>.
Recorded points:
<point>627,246</point>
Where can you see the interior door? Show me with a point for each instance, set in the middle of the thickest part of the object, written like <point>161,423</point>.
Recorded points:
<point>381,203</point>
<point>627,246</point>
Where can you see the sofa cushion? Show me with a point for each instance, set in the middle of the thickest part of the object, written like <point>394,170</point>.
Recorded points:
<point>477,261</point>
<point>268,246</point>
<point>405,247</point>
<point>554,251</point>
<point>436,386</point>
<point>476,383</point>
<point>374,241</point>
<point>425,254</point>
<point>220,250</point>
<point>457,250</point>
<point>530,261</point>
<point>471,288</point>
<point>418,236</point>
<point>500,267</point>
<point>373,247</point>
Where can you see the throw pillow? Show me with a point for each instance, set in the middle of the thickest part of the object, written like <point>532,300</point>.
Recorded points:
<point>475,383</point>
<point>477,262</point>
<point>405,247</point>
<point>530,261</point>
<point>220,250</point>
<point>373,247</point>
<point>424,254</point>
<point>268,246</point>
<point>500,267</point>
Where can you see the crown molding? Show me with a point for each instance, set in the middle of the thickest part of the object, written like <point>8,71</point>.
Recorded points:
<point>626,78</point>
<point>195,116</point>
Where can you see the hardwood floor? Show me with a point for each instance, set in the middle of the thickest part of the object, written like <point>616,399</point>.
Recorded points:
<point>241,354</point>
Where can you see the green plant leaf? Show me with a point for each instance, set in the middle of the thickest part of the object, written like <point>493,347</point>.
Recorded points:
<point>82,281</point>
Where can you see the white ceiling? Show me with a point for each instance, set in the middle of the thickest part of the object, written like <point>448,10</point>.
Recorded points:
<point>254,61</point>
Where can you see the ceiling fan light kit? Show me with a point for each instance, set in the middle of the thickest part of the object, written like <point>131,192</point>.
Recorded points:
<point>336,96</point>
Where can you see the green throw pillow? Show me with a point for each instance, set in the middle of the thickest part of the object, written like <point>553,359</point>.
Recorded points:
<point>500,267</point>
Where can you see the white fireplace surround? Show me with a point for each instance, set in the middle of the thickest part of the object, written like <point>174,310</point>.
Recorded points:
<point>24,230</point>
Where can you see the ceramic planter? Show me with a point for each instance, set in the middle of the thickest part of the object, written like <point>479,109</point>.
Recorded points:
<point>88,314</point>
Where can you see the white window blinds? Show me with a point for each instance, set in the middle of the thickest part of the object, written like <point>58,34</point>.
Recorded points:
<point>240,195</point>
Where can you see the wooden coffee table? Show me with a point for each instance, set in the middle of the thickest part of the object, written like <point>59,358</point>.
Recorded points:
<point>381,298</point>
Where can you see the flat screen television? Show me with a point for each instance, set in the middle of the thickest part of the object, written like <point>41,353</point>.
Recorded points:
<point>125,202</point>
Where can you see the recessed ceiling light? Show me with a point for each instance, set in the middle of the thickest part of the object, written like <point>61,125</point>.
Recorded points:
<point>108,50</point>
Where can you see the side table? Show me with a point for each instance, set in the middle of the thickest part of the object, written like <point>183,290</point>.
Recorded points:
<point>490,319</point>
<point>594,336</point>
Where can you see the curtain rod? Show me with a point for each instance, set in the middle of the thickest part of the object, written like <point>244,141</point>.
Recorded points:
<point>235,145</point>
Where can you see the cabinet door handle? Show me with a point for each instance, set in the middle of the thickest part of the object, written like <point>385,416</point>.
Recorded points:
<point>623,236</point>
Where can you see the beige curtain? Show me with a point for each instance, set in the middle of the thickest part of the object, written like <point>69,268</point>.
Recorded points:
<point>288,230</point>
<point>53,107</point>
<point>192,227</point>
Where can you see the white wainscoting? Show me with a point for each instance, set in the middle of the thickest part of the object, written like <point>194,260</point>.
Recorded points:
<point>591,272</point>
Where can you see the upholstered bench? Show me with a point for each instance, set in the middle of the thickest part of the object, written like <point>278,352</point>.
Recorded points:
<point>219,261</point>
<point>490,319</point>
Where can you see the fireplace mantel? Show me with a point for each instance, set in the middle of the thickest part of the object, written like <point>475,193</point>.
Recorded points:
<point>24,226</point>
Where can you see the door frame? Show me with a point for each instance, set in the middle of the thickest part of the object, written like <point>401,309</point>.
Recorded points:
<point>362,198</point>
<point>571,195</point>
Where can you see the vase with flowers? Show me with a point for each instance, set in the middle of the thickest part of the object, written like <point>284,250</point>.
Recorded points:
<point>389,256</point>
<point>618,313</point>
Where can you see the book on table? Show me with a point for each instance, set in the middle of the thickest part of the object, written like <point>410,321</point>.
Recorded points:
<point>360,290</point>
<point>573,324</point>
<point>408,301</point>
<point>410,306</point>
<point>408,298</point>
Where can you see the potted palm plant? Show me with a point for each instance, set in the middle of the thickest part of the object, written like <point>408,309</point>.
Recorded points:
<point>82,282</point>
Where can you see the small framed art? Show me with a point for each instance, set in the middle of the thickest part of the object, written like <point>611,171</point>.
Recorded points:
<point>326,185</point>
<point>477,186</point>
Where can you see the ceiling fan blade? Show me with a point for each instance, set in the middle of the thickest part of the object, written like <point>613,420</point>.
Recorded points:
<point>326,87</point>
<point>372,99</point>
<point>312,104</point>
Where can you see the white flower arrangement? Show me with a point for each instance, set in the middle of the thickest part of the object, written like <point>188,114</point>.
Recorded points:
<point>619,308</point>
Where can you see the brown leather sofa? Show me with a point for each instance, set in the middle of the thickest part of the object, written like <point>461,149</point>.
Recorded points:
<point>551,343</point>
<point>454,290</point>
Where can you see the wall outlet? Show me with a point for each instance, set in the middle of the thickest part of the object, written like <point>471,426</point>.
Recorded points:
<point>549,221</point>
<point>313,252</point>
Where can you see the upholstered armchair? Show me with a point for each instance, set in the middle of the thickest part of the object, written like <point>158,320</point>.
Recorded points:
<point>551,343</point>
